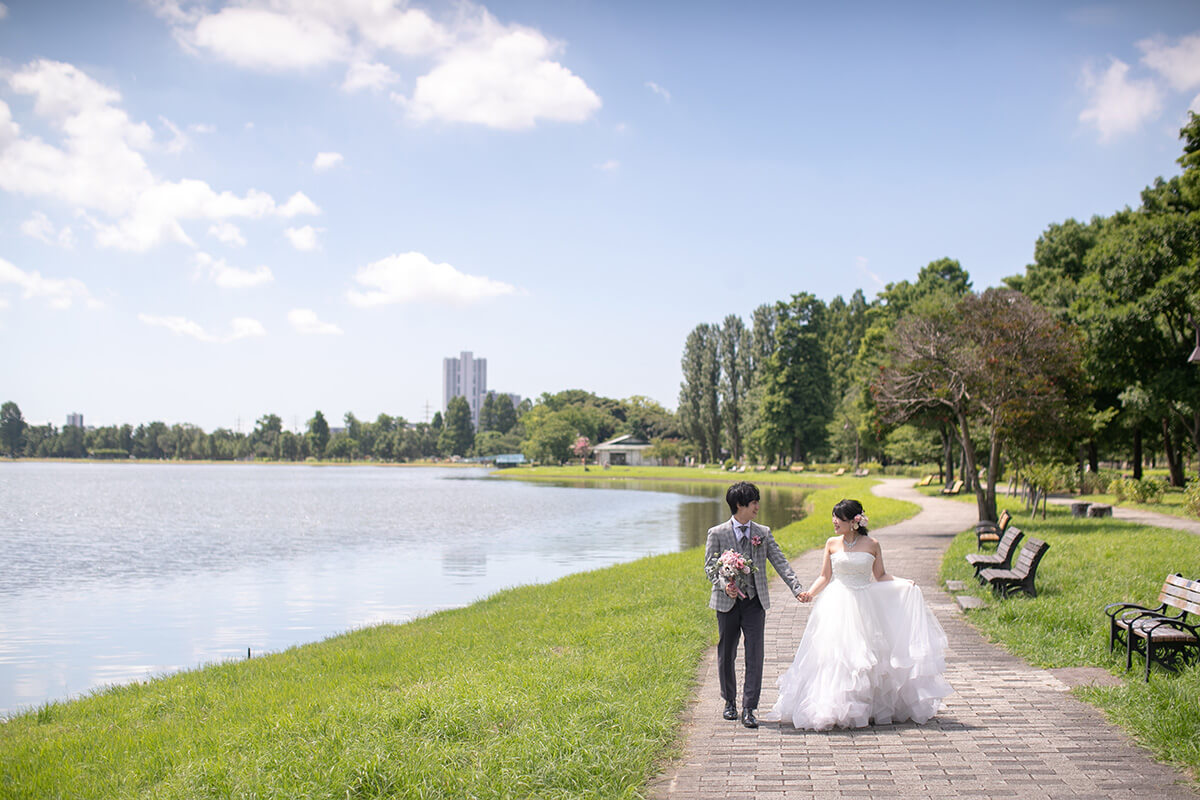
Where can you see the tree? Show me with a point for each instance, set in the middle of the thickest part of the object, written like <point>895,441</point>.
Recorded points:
<point>12,429</point>
<point>458,432</point>
<point>505,415</point>
<point>550,438</point>
<point>265,436</point>
<point>736,373</point>
<point>582,448</point>
<point>696,390</point>
<point>995,360</point>
<point>487,414</point>
<point>796,406</point>
<point>318,434</point>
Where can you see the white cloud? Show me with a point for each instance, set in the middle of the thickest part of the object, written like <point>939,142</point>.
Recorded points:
<point>3,11</point>
<point>240,328</point>
<point>228,277</point>
<point>305,321</point>
<point>1179,63</point>
<point>658,90</point>
<point>503,81</point>
<point>483,72</point>
<point>861,262</point>
<point>372,76</point>
<point>298,204</point>
<point>58,293</point>
<point>609,165</point>
<point>262,39</point>
<point>227,233</point>
<point>40,227</point>
<point>100,168</point>
<point>179,140</point>
<point>1118,104</point>
<point>202,127</point>
<point>412,278</point>
<point>325,161</point>
<point>302,238</point>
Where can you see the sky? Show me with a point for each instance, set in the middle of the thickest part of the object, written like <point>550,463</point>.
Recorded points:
<point>212,211</point>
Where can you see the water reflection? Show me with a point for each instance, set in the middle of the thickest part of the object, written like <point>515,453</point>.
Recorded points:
<point>779,506</point>
<point>119,572</point>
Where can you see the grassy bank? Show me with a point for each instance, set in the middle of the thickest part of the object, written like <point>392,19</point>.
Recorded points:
<point>714,474</point>
<point>1091,563</point>
<point>571,689</point>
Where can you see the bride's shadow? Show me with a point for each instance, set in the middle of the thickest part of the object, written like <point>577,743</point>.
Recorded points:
<point>947,724</point>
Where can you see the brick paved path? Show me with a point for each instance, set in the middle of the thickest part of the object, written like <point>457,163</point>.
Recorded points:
<point>1010,730</point>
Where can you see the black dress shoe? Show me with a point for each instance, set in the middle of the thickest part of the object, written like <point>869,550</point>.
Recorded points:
<point>730,711</point>
<point>748,718</point>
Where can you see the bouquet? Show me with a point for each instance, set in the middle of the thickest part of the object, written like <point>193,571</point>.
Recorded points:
<point>731,566</point>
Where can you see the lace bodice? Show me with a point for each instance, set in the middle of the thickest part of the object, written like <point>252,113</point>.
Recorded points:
<point>853,569</point>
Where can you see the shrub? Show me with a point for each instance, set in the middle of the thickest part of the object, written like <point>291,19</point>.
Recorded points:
<point>1147,490</point>
<point>1150,490</point>
<point>1098,482</point>
<point>1191,499</point>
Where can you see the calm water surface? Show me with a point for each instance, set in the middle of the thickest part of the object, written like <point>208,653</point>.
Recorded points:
<point>119,572</point>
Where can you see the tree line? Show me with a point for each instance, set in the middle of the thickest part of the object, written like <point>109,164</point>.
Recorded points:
<point>1081,358</point>
<point>544,430</point>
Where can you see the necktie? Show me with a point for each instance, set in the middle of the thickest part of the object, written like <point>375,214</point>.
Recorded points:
<point>742,528</point>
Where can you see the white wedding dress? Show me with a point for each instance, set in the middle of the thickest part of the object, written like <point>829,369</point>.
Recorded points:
<point>872,652</point>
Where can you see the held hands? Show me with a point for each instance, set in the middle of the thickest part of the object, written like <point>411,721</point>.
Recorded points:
<point>805,597</point>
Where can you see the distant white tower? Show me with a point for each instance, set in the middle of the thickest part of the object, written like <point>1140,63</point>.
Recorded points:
<point>75,420</point>
<point>465,376</point>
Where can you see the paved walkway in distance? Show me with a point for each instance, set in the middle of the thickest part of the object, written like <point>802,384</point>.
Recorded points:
<point>1010,729</point>
<point>1152,518</point>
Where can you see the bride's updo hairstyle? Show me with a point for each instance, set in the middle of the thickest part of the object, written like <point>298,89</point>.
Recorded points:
<point>849,509</point>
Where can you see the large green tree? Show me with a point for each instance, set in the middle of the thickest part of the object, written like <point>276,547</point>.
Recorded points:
<point>796,405</point>
<point>458,432</point>
<point>318,434</point>
<point>12,429</point>
<point>736,373</point>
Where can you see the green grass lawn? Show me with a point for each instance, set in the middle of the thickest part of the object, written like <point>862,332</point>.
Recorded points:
<point>713,474</point>
<point>570,689</point>
<point>1093,562</point>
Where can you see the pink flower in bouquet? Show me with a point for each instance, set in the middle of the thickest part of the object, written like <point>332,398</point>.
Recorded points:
<point>731,566</point>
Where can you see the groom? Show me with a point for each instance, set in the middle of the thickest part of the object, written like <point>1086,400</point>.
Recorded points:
<point>739,616</point>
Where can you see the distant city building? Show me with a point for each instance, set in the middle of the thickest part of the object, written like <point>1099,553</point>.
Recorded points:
<point>465,376</point>
<point>74,420</point>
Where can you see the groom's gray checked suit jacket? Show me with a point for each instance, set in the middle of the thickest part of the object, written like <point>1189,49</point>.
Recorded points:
<point>722,538</point>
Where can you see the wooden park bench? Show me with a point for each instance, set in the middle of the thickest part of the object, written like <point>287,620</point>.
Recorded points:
<point>988,532</point>
<point>862,473</point>
<point>1020,578</point>
<point>953,489</point>
<point>1170,639</point>
<point>1001,559</point>
<point>840,471</point>
<point>928,479</point>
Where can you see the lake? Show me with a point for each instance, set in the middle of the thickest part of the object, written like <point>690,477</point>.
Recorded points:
<point>121,572</point>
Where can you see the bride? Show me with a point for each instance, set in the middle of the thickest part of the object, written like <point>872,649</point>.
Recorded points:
<point>872,651</point>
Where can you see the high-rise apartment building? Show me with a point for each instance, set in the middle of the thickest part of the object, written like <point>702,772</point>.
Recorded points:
<point>465,376</point>
<point>75,420</point>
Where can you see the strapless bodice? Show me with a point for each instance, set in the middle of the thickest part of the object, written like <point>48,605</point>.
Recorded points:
<point>853,569</point>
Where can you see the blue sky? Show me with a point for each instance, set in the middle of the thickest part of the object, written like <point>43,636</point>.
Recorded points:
<point>212,211</point>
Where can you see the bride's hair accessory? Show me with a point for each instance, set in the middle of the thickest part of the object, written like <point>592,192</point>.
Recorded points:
<point>859,520</point>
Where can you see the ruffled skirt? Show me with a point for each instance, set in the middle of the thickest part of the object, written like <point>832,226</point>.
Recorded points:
<point>868,655</point>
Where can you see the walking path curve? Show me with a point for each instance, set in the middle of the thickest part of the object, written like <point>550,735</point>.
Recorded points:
<point>1010,729</point>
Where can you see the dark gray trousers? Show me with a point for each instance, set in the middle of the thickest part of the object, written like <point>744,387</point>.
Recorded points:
<point>746,619</point>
